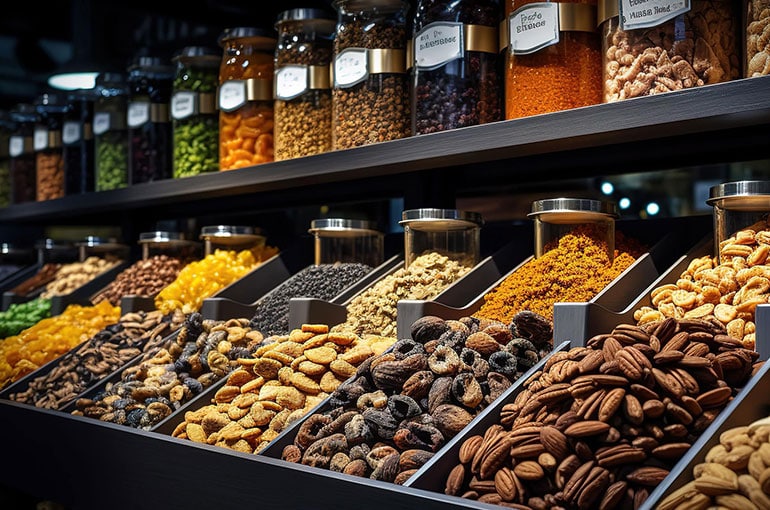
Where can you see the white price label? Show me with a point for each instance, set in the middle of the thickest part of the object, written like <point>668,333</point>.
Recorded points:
<point>533,27</point>
<point>290,82</point>
<point>650,13</point>
<point>437,44</point>
<point>101,123</point>
<point>183,104</point>
<point>232,95</point>
<point>70,132</point>
<point>16,146</point>
<point>40,140</point>
<point>138,113</point>
<point>350,67</point>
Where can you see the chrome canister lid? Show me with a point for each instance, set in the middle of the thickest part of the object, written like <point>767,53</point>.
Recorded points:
<point>341,227</point>
<point>741,195</point>
<point>437,220</point>
<point>573,210</point>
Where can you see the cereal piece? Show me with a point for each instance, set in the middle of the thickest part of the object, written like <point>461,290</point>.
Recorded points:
<point>239,377</point>
<point>244,400</point>
<point>267,368</point>
<point>253,385</point>
<point>316,329</point>
<point>281,357</point>
<point>304,383</point>
<point>321,355</point>
<point>357,354</point>
<point>342,338</point>
<point>196,433</point>
<point>290,397</point>
<point>311,369</point>
<point>329,382</point>
<point>226,394</point>
<point>315,341</point>
<point>261,415</point>
<point>342,368</point>
<point>301,337</point>
<point>235,413</point>
<point>284,375</point>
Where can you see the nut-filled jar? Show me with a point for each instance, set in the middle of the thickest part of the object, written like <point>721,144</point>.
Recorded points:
<point>676,45</point>
<point>448,232</point>
<point>340,240</point>
<point>22,153</point>
<point>739,206</point>
<point>556,217</point>
<point>170,244</point>
<point>370,93</point>
<point>757,38</point>
<point>553,53</point>
<point>457,79</point>
<point>245,98</point>
<point>110,132</point>
<point>150,81</point>
<point>106,248</point>
<point>6,129</point>
<point>49,151</point>
<point>303,98</point>
<point>78,140</point>
<point>194,113</point>
<point>231,238</point>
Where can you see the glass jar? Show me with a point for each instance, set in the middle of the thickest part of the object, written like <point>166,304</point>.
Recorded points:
<point>303,98</point>
<point>553,59</point>
<point>245,98</point>
<point>22,153</point>
<point>6,129</point>
<point>78,140</point>
<point>170,244</point>
<point>49,155</point>
<point>150,81</point>
<point>757,38</point>
<point>557,217</point>
<point>111,132</point>
<point>449,232</point>
<point>740,205</point>
<point>647,53</point>
<point>195,119</point>
<point>457,79</point>
<point>231,238</point>
<point>108,249</point>
<point>347,241</point>
<point>370,94</point>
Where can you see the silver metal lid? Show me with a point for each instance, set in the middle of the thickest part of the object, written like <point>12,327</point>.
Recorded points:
<point>340,227</point>
<point>229,234</point>
<point>436,220</point>
<point>10,249</point>
<point>573,210</point>
<point>101,243</point>
<point>163,237</point>
<point>53,245</point>
<point>741,195</point>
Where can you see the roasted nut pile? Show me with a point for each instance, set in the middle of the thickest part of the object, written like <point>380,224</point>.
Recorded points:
<point>735,474</point>
<point>96,358</point>
<point>76,274</point>
<point>728,291</point>
<point>758,38</point>
<point>143,278</point>
<point>203,352</point>
<point>405,404</point>
<point>374,310</point>
<point>288,376</point>
<point>44,276</point>
<point>602,425</point>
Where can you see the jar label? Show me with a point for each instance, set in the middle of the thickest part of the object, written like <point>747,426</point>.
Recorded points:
<point>350,67</point>
<point>232,95</point>
<point>650,13</point>
<point>71,132</point>
<point>533,27</point>
<point>290,82</point>
<point>16,146</point>
<point>138,113</point>
<point>437,44</point>
<point>40,140</point>
<point>101,123</point>
<point>183,105</point>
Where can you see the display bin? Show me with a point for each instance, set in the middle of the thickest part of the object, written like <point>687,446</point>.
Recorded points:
<point>82,295</point>
<point>12,281</point>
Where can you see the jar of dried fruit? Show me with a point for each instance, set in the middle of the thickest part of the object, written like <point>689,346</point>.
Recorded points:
<point>449,232</point>
<point>303,100</point>
<point>49,156</point>
<point>245,98</point>
<point>553,58</point>
<point>370,94</point>
<point>22,154</point>
<point>457,78</point>
<point>194,114</point>
<point>677,45</point>
<point>150,81</point>
<point>78,140</point>
<point>111,132</point>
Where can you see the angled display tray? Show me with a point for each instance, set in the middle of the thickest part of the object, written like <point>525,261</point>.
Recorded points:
<point>82,295</point>
<point>14,279</point>
<point>752,403</point>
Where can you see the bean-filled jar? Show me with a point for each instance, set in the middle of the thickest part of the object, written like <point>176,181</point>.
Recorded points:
<point>553,53</point>
<point>194,114</point>
<point>451,233</point>
<point>303,98</point>
<point>49,155</point>
<point>22,154</point>
<point>111,132</point>
<point>150,82</point>
<point>757,35</point>
<point>457,66</point>
<point>370,93</point>
<point>78,140</point>
<point>741,211</point>
<point>246,98</point>
<point>677,45</point>
<point>6,129</point>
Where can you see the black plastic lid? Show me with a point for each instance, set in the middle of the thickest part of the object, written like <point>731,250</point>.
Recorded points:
<point>199,54</point>
<point>150,64</point>
<point>259,35</point>
<point>24,112</point>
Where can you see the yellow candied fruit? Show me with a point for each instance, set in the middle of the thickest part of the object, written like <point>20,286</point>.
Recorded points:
<point>51,338</point>
<point>203,278</point>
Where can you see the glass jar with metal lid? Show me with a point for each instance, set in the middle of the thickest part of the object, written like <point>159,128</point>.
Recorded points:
<point>6,129</point>
<point>230,237</point>
<point>370,93</point>
<point>741,208</point>
<point>150,81</point>
<point>22,153</point>
<point>552,56</point>
<point>78,140</point>
<point>303,101</point>
<point>676,45</point>
<point>102,247</point>
<point>194,114</point>
<point>245,98</point>
<point>110,132</point>
<point>171,244</point>
<point>449,232</point>
<point>557,217</point>
<point>348,241</point>
<point>457,79</point>
<point>49,155</point>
